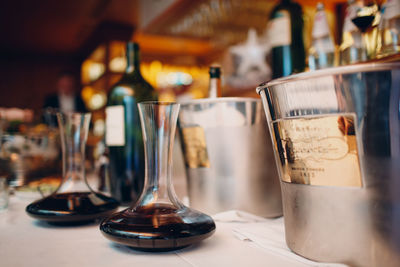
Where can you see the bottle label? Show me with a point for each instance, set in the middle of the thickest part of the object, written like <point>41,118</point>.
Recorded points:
<point>115,126</point>
<point>321,27</point>
<point>392,9</point>
<point>195,152</point>
<point>319,150</point>
<point>279,32</point>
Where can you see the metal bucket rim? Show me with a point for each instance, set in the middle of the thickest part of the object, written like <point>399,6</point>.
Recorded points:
<point>356,68</point>
<point>219,100</point>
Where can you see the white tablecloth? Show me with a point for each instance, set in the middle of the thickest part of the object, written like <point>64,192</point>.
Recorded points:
<point>240,240</point>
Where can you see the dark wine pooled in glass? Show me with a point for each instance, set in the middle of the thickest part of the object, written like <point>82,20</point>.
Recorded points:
<point>364,22</point>
<point>73,201</point>
<point>72,207</point>
<point>158,227</point>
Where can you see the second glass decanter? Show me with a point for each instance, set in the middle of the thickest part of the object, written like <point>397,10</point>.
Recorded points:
<point>74,201</point>
<point>158,221</point>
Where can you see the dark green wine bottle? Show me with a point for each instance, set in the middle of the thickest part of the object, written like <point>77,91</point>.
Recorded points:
<point>123,130</point>
<point>286,37</point>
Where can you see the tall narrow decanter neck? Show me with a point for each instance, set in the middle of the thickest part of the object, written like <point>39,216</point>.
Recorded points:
<point>158,121</point>
<point>74,128</point>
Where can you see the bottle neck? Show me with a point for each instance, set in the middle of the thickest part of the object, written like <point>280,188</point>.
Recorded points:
<point>132,59</point>
<point>214,89</point>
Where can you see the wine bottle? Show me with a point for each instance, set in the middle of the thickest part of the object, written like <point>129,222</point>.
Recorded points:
<point>285,31</point>
<point>123,131</point>
<point>367,20</point>
<point>351,48</point>
<point>389,29</point>
<point>322,51</point>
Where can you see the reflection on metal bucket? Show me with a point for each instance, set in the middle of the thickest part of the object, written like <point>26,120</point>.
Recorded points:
<point>348,208</point>
<point>228,156</point>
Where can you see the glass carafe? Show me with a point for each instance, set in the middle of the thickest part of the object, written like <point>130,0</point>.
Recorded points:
<point>158,221</point>
<point>74,200</point>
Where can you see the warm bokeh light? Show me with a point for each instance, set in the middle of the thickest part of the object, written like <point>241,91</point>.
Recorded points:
<point>93,98</point>
<point>170,80</point>
<point>93,67</point>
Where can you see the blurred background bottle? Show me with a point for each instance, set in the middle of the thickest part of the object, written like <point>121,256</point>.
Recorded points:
<point>286,39</point>
<point>322,51</point>
<point>215,89</point>
<point>367,20</point>
<point>389,29</point>
<point>123,130</point>
<point>351,48</point>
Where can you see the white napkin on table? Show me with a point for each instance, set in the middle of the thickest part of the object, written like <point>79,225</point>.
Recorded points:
<point>268,234</point>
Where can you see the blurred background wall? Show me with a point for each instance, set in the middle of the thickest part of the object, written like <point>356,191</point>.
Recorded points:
<point>41,39</point>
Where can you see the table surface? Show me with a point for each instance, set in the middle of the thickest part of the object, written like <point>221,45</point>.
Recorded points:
<point>240,240</point>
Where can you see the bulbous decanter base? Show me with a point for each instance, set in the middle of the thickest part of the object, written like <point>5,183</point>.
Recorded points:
<point>158,227</point>
<point>72,208</point>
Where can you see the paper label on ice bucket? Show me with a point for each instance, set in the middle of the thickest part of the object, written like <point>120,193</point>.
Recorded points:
<point>319,150</point>
<point>195,147</point>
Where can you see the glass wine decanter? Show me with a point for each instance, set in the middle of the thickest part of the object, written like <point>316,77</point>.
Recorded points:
<point>158,221</point>
<point>74,201</point>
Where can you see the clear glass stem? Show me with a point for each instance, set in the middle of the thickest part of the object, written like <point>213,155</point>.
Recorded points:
<point>158,121</point>
<point>74,128</point>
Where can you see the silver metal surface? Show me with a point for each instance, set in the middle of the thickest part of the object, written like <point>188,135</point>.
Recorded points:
<point>356,225</point>
<point>228,156</point>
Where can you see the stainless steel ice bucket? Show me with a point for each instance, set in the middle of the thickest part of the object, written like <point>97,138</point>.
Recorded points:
<point>336,135</point>
<point>228,156</point>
